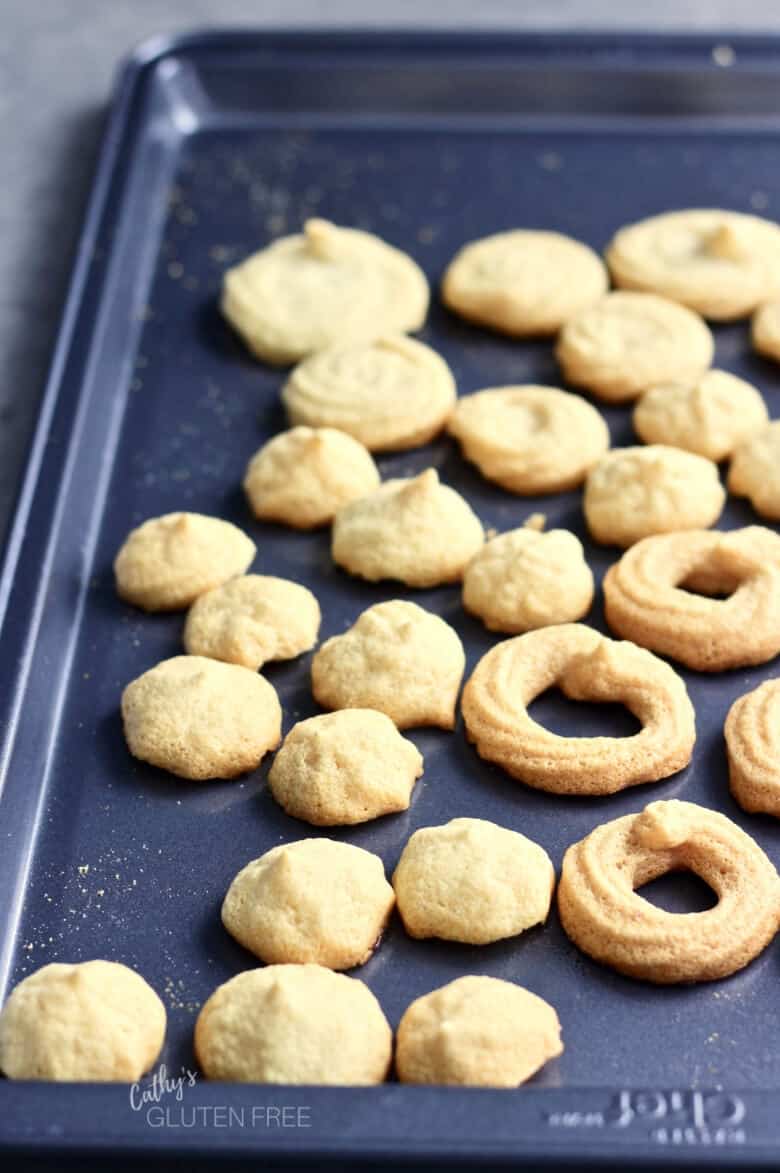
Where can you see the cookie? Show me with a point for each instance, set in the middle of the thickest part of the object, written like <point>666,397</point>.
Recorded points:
<point>253,619</point>
<point>345,767</point>
<point>752,733</point>
<point>635,492</point>
<point>765,330</point>
<point>414,529</point>
<point>755,471</point>
<point>478,1032</point>
<point>523,282</point>
<point>302,293</point>
<point>628,342</point>
<point>96,1022</point>
<point>710,417</point>
<point>530,439</point>
<point>168,561</point>
<point>718,262</point>
<point>472,881</point>
<point>397,658</point>
<point>199,718</point>
<point>390,393</point>
<point>293,1024</point>
<point>606,916</point>
<point>313,902</point>
<point>585,666</point>
<point>649,597</point>
<point>525,579</point>
<point>301,477</point>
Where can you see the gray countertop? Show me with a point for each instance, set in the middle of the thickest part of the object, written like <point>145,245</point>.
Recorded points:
<point>57,61</point>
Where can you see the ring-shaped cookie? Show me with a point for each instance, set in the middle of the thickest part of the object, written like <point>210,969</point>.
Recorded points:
<point>645,599</point>
<point>605,916</point>
<point>752,733</point>
<point>584,665</point>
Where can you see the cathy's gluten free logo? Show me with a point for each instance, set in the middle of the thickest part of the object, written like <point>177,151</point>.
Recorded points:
<point>163,1102</point>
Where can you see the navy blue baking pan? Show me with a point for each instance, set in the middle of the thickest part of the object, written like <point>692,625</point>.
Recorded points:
<point>217,143</point>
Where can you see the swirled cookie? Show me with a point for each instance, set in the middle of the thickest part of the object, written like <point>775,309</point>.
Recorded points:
<point>530,439</point>
<point>710,417</point>
<point>753,740</point>
<point>720,263</point>
<point>302,293</point>
<point>628,342</point>
<point>606,917</point>
<point>390,393</point>
<point>416,530</point>
<point>586,666</point>
<point>303,476</point>
<point>754,471</point>
<point>397,658</point>
<point>523,282</point>
<point>635,492</point>
<point>765,330</point>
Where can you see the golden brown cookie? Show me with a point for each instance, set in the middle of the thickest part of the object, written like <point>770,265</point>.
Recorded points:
<point>397,658</point>
<point>753,741</point>
<point>710,417</point>
<point>755,471</point>
<point>478,1032</point>
<point>606,916</point>
<point>765,330</point>
<point>294,1024</point>
<point>585,666</point>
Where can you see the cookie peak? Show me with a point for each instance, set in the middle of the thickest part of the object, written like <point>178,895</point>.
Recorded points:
<point>420,486</point>
<point>663,825</point>
<point>320,237</point>
<point>725,243</point>
<point>536,522</point>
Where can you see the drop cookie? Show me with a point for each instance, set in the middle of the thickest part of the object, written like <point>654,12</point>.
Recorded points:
<point>200,719</point>
<point>754,471</point>
<point>397,658</point>
<point>328,284</point>
<point>710,417</point>
<point>765,330</point>
<point>752,733</point>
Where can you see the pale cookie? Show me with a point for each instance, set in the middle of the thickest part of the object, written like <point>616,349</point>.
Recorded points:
<point>765,330</point>
<point>635,492</point>
<point>294,1024</point>
<point>585,666</point>
<point>96,1022</point>
<point>478,1032</point>
<point>200,719</point>
<point>718,262</point>
<point>525,579</point>
<point>397,658</point>
<point>253,619</point>
<point>607,917</point>
<point>646,600</point>
<point>345,767</point>
<point>754,471</point>
<point>472,881</point>
<point>415,529</point>
<point>303,293</point>
<point>530,439</point>
<point>315,901</point>
<point>710,417</point>
<point>523,282</point>
<point>753,740</point>
<point>390,393</point>
<point>168,561</point>
<point>301,477</point>
<point>628,342</point>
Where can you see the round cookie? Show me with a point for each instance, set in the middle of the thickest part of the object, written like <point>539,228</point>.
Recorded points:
<point>302,293</point>
<point>765,330</point>
<point>345,767</point>
<point>635,492</point>
<point>710,417</point>
<point>754,471</point>
<point>312,902</point>
<point>390,393</point>
<point>472,881</point>
<point>478,1032</point>
<point>301,477</point>
<point>199,718</point>
<point>397,658</point>
<point>720,263</point>
<point>523,282</point>
<point>525,579</point>
<point>94,1022</point>
<point>293,1024</point>
<point>628,342</point>
<point>168,561</point>
<point>530,439</point>
<point>253,619</point>
<point>414,529</point>
<point>752,733</point>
